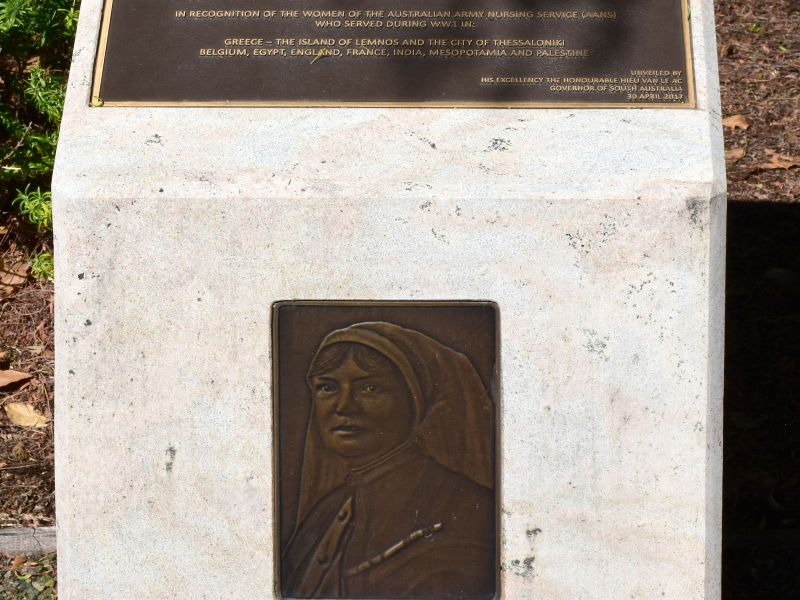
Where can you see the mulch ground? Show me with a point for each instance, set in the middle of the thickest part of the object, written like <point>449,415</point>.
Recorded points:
<point>26,345</point>
<point>759,50</point>
<point>759,68</point>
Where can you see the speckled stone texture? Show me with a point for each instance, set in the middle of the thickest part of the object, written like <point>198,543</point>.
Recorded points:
<point>599,233</point>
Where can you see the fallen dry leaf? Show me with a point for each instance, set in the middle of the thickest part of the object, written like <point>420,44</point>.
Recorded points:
<point>780,161</point>
<point>733,155</point>
<point>24,415</point>
<point>736,122</point>
<point>17,562</point>
<point>20,452</point>
<point>9,377</point>
<point>12,276</point>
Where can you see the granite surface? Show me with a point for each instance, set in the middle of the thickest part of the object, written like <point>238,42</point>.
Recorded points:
<point>599,233</point>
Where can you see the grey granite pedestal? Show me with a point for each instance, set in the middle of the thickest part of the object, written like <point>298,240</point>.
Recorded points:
<point>600,234</point>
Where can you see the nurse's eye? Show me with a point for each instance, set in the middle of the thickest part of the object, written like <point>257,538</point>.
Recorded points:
<point>326,387</point>
<point>372,388</point>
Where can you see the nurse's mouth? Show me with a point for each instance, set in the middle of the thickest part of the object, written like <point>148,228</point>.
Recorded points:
<point>347,430</point>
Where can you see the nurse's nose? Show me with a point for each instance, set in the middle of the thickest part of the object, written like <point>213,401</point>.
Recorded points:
<point>345,400</point>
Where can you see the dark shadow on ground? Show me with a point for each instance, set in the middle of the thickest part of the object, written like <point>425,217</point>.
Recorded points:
<point>761,523</point>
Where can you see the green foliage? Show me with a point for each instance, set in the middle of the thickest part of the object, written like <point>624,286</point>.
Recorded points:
<point>36,39</point>
<point>36,206</point>
<point>42,266</point>
<point>45,90</point>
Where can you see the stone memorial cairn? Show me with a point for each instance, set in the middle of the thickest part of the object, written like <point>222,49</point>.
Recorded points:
<point>598,234</point>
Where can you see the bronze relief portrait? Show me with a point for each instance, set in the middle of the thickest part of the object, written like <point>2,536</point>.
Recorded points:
<point>385,449</point>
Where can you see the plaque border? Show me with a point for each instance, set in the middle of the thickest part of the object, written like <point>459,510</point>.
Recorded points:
<point>274,400</point>
<point>97,80</point>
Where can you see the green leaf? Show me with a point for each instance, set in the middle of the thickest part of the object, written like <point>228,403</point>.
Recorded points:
<point>42,266</point>
<point>36,206</point>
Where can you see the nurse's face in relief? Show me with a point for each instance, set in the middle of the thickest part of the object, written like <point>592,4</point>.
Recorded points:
<point>362,412</point>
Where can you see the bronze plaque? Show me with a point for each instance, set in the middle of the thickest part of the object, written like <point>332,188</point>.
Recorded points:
<point>384,425</point>
<point>481,53</point>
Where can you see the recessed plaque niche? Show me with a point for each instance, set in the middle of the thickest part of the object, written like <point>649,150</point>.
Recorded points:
<point>385,439</point>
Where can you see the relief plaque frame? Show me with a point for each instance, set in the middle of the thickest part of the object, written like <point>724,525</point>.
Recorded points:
<point>360,511</point>
<point>485,54</point>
